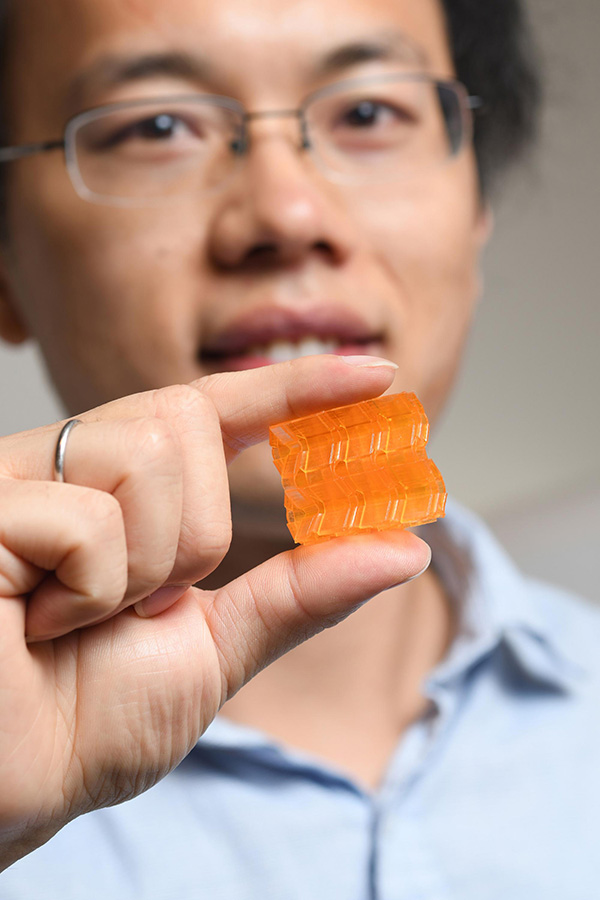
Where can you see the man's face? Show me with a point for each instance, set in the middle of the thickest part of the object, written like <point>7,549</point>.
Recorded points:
<point>124,300</point>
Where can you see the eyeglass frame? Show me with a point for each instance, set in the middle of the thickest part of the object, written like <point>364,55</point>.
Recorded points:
<point>470,103</point>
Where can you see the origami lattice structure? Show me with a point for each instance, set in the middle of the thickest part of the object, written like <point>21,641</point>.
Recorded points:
<point>358,469</point>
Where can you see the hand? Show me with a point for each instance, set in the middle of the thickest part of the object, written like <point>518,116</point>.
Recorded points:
<point>97,703</point>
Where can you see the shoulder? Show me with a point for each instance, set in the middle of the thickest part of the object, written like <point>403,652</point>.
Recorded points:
<point>573,621</point>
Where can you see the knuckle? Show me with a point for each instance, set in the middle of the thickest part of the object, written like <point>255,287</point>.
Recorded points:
<point>151,441</point>
<point>221,535</point>
<point>216,541</point>
<point>97,559</point>
<point>99,511</point>
<point>183,398</point>
<point>155,574</point>
<point>97,601</point>
<point>218,382</point>
<point>313,620</point>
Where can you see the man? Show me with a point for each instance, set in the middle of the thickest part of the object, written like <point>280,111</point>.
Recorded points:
<point>436,743</point>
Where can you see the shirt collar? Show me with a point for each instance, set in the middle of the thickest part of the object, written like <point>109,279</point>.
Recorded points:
<point>496,605</point>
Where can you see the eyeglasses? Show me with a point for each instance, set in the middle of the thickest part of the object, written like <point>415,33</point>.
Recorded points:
<point>139,153</point>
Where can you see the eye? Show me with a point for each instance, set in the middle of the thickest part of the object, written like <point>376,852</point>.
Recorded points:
<point>156,132</point>
<point>161,127</point>
<point>370,113</point>
<point>364,113</point>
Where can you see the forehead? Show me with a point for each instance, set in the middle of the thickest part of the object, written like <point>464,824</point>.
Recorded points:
<point>56,47</point>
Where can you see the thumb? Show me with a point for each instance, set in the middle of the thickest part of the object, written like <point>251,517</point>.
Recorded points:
<point>274,607</point>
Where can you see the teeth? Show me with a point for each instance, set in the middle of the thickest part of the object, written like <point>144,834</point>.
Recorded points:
<point>282,351</point>
<point>313,346</point>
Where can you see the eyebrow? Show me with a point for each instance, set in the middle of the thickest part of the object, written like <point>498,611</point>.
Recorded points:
<point>115,70</point>
<point>112,71</point>
<point>389,46</point>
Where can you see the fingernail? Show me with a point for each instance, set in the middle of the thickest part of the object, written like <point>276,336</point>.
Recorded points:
<point>412,577</point>
<point>368,362</point>
<point>160,600</point>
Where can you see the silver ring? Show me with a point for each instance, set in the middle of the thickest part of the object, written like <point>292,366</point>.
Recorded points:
<point>61,449</point>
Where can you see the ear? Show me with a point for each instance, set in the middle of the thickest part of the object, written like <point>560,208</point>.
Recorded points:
<point>12,327</point>
<point>484,224</point>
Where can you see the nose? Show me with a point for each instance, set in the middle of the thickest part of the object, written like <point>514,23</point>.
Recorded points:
<point>279,210</point>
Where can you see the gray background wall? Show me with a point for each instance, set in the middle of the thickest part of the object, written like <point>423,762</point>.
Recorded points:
<point>520,439</point>
<point>519,442</point>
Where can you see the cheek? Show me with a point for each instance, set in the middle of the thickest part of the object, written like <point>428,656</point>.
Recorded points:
<point>424,239</point>
<point>108,294</point>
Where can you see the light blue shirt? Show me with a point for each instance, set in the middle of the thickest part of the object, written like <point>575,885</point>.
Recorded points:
<point>495,795</point>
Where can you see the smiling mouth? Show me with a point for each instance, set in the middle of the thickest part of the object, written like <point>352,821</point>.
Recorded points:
<point>279,351</point>
<point>275,336</point>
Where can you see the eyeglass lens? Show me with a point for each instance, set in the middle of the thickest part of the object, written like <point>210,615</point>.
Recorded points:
<point>163,148</point>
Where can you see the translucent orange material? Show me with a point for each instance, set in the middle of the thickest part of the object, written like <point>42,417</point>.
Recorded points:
<point>358,469</point>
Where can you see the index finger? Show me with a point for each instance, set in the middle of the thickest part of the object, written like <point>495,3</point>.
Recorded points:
<point>247,403</point>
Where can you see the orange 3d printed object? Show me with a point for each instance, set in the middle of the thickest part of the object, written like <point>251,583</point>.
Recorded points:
<point>357,469</point>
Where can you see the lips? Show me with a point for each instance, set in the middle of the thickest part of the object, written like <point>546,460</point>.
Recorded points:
<point>271,334</point>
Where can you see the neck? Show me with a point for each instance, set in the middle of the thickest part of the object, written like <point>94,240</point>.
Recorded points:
<point>348,694</point>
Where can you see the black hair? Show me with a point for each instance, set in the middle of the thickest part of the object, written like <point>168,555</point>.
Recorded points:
<point>494,57</point>
<point>4,131</point>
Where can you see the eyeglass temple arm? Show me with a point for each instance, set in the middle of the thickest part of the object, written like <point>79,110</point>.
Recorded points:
<point>474,102</point>
<point>9,154</point>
